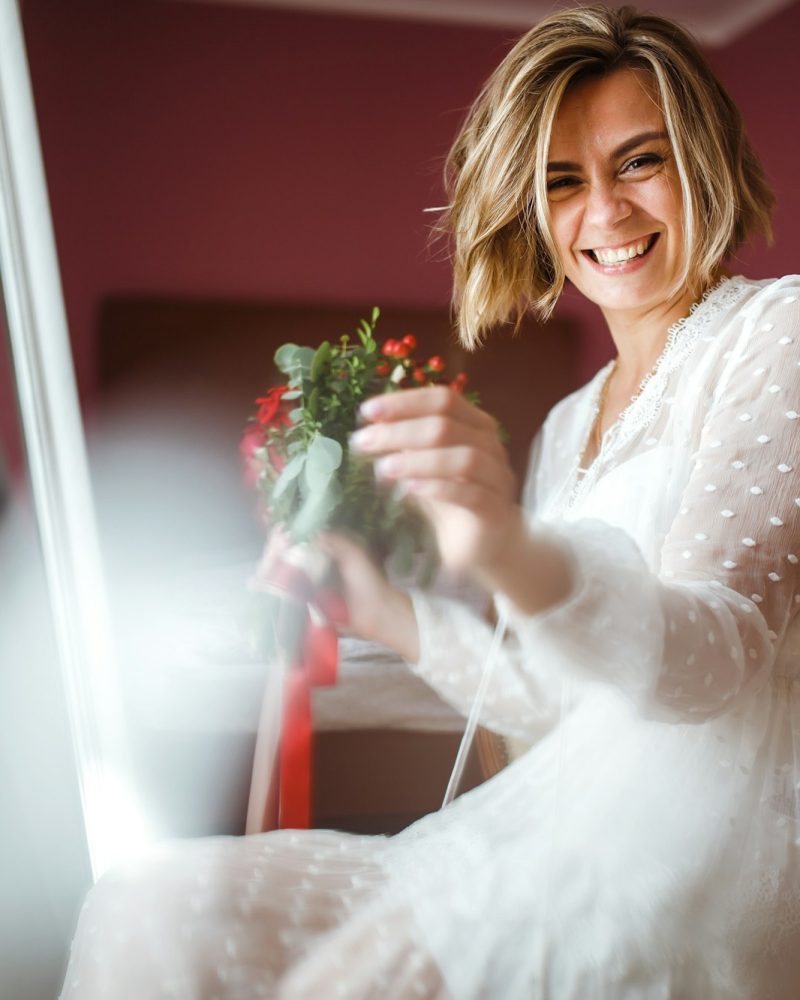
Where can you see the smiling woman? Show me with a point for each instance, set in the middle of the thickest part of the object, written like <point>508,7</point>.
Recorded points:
<point>618,221</point>
<point>518,151</point>
<point>646,844</point>
<point>615,203</point>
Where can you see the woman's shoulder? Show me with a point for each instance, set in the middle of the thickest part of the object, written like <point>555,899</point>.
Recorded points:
<point>736,306</point>
<point>767,293</point>
<point>765,309</point>
<point>758,336</point>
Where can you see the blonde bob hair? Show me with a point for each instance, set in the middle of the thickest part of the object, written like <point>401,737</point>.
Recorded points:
<point>505,259</point>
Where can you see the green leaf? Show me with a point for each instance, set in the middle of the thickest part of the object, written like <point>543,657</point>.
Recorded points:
<point>291,470</point>
<point>294,360</point>
<point>316,512</point>
<point>313,401</point>
<point>304,358</point>
<point>323,459</point>
<point>375,314</point>
<point>320,359</point>
<point>296,415</point>
<point>284,506</point>
<point>294,394</point>
<point>285,355</point>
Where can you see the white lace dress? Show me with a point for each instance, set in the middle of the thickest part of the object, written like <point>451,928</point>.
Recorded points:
<point>648,844</point>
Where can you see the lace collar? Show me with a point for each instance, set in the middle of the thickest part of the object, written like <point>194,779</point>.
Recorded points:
<point>645,406</point>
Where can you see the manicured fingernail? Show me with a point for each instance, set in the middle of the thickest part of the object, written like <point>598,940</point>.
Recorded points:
<point>362,439</point>
<point>370,408</point>
<point>385,467</point>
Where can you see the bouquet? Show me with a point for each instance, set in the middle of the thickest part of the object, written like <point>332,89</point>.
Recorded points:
<point>296,453</point>
<point>296,445</point>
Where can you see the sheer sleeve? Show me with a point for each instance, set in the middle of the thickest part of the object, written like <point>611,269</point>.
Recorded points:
<point>687,640</point>
<point>731,556</point>
<point>454,644</point>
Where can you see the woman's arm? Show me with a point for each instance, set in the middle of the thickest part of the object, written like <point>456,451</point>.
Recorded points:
<point>444,641</point>
<point>584,603</point>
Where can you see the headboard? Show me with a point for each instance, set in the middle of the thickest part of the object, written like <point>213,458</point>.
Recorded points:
<point>219,353</point>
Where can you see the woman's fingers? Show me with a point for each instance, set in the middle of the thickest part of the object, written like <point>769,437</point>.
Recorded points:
<point>447,454</point>
<point>348,554</point>
<point>460,464</point>
<point>377,610</point>
<point>429,431</point>
<point>427,401</point>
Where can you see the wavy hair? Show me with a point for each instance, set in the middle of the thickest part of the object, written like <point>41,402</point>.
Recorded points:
<point>505,260</point>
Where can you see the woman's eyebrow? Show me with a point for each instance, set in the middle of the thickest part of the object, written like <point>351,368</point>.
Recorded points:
<point>630,144</point>
<point>626,147</point>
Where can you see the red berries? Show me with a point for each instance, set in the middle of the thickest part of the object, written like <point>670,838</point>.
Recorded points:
<point>396,349</point>
<point>401,365</point>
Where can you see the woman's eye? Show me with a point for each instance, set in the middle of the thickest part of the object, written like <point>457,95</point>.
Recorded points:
<point>561,182</point>
<point>643,161</point>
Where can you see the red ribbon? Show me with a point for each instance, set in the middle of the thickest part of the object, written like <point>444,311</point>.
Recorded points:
<point>314,664</point>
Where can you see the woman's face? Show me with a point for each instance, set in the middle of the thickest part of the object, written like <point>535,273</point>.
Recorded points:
<point>614,195</point>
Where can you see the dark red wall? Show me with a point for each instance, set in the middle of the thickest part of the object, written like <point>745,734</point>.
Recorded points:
<point>232,151</point>
<point>203,150</point>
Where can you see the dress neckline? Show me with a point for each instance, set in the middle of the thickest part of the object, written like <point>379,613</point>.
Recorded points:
<point>644,406</point>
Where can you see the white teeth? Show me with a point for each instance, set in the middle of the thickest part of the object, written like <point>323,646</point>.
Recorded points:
<point>622,254</point>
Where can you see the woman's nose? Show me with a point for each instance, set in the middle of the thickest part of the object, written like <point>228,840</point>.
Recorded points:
<point>607,205</point>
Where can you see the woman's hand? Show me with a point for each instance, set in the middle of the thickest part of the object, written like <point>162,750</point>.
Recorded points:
<point>376,610</point>
<point>448,455</point>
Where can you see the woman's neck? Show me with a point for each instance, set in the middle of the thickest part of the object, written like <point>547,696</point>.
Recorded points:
<point>640,337</point>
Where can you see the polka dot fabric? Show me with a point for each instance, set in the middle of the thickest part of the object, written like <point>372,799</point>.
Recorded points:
<point>647,844</point>
<point>704,576</point>
<point>683,537</point>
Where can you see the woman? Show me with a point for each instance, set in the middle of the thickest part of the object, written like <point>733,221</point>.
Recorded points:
<point>647,844</point>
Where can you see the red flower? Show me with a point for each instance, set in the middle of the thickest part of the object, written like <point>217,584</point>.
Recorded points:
<point>436,363</point>
<point>271,410</point>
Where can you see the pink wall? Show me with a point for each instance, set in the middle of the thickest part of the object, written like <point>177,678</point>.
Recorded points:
<point>205,150</point>
<point>196,149</point>
<point>761,72</point>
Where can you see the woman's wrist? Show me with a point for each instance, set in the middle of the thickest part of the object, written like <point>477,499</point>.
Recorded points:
<point>531,570</point>
<point>400,631</point>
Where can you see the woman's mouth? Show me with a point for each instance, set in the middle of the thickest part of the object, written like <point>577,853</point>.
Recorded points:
<point>619,256</point>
